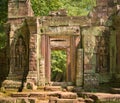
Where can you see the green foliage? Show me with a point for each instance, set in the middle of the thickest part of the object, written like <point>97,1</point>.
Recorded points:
<point>39,7</point>
<point>79,7</point>
<point>2,40</point>
<point>74,7</point>
<point>3,19</point>
<point>58,63</point>
<point>3,11</point>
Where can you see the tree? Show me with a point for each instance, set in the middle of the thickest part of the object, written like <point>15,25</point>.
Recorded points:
<point>74,7</point>
<point>43,7</point>
<point>58,65</point>
<point>3,19</point>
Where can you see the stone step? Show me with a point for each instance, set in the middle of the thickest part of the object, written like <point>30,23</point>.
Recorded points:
<point>46,95</point>
<point>20,94</point>
<point>11,84</point>
<point>68,95</point>
<point>63,84</point>
<point>59,100</point>
<point>18,100</point>
<point>53,88</point>
<point>102,97</point>
<point>66,101</point>
<point>115,90</point>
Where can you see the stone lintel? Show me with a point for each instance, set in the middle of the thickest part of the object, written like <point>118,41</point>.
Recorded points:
<point>64,21</point>
<point>62,30</point>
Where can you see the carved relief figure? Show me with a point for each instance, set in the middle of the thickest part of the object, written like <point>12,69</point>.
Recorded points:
<point>20,53</point>
<point>102,54</point>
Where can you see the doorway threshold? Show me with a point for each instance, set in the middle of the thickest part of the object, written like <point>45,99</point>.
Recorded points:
<point>62,83</point>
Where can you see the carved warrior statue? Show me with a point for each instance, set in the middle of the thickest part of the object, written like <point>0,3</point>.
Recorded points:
<point>20,53</point>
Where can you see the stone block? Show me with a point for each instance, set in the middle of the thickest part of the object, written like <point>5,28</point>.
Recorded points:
<point>58,21</point>
<point>22,100</point>
<point>80,100</point>
<point>53,99</point>
<point>41,96</point>
<point>66,101</point>
<point>7,100</point>
<point>64,30</point>
<point>81,21</point>
<point>30,85</point>
<point>54,94</point>
<point>115,90</point>
<point>68,95</point>
<point>70,88</point>
<point>89,100</point>
<point>91,81</point>
<point>42,101</point>
<point>53,88</point>
<point>19,94</point>
<point>10,84</point>
<point>33,100</point>
<point>103,97</point>
<point>78,89</point>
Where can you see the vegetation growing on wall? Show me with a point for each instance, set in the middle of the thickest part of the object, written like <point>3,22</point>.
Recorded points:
<point>74,7</point>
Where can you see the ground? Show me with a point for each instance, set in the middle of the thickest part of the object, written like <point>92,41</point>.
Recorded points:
<point>58,94</point>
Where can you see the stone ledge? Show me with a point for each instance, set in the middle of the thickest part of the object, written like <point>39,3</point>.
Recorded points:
<point>39,95</point>
<point>10,84</point>
<point>68,95</point>
<point>66,101</point>
<point>102,97</point>
<point>115,90</point>
<point>18,100</point>
<point>20,94</point>
<point>53,88</point>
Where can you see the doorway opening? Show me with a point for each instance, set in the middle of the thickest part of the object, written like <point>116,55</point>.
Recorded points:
<point>58,65</point>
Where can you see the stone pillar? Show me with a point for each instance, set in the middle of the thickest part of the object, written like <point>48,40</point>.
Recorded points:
<point>32,73</point>
<point>41,81</point>
<point>79,71</point>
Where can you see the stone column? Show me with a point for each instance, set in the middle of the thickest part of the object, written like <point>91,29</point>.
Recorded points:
<point>41,81</point>
<point>79,71</point>
<point>32,73</point>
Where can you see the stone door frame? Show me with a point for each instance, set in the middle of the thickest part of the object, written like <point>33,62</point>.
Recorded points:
<point>70,44</point>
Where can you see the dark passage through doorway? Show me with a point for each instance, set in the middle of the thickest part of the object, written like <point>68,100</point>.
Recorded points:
<point>58,65</point>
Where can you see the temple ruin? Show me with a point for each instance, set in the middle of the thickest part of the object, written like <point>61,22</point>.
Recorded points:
<point>91,44</point>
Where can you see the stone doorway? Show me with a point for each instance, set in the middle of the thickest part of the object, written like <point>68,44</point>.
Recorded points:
<point>69,44</point>
<point>58,65</point>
